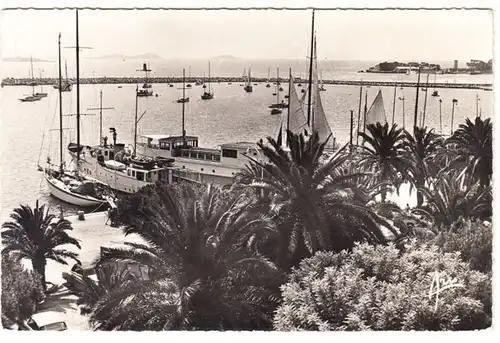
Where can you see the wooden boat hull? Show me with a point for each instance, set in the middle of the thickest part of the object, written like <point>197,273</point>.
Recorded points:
<point>67,196</point>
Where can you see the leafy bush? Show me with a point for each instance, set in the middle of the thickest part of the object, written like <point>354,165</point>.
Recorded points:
<point>474,241</point>
<point>21,292</point>
<point>382,288</point>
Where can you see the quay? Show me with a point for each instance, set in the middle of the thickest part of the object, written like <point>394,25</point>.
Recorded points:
<point>167,80</point>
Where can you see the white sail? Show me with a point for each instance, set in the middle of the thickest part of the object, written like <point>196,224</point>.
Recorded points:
<point>376,113</point>
<point>297,121</point>
<point>318,117</point>
<point>249,80</point>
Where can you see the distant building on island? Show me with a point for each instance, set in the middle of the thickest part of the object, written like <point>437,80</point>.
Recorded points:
<point>397,67</point>
<point>473,67</point>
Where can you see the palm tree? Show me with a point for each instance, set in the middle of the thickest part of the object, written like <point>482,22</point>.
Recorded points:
<point>204,271</point>
<point>34,234</point>
<point>384,155</point>
<point>422,147</point>
<point>452,196</point>
<point>472,148</point>
<point>316,205</point>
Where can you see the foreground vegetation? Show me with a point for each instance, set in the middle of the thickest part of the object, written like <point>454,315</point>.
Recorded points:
<point>303,242</point>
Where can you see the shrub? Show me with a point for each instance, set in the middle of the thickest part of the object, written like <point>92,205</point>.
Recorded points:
<point>474,241</point>
<point>381,288</point>
<point>21,292</point>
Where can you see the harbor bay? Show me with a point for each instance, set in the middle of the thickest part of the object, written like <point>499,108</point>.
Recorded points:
<point>231,116</point>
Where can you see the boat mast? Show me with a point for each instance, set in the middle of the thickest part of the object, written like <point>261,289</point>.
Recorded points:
<point>351,128</point>
<point>359,111</point>
<point>183,105</point>
<point>60,108</point>
<point>310,74</point>
<point>100,116</point>
<point>41,86</point>
<point>135,120</point>
<point>364,114</point>
<point>66,70</point>
<point>290,85</point>
<point>277,85</point>
<point>416,100</point>
<point>77,94</point>
<point>425,101</point>
<point>394,103</point>
<point>209,89</point>
<point>32,77</point>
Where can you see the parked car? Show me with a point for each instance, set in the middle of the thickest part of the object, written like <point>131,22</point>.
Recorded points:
<point>44,321</point>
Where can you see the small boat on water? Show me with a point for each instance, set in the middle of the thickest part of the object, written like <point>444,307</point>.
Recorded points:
<point>119,86</point>
<point>210,94</point>
<point>66,86</point>
<point>34,96</point>
<point>30,98</point>
<point>248,88</point>
<point>41,94</point>
<point>182,100</point>
<point>147,88</point>
<point>276,108</point>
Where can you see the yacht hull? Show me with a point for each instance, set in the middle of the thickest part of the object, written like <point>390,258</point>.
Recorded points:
<point>58,191</point>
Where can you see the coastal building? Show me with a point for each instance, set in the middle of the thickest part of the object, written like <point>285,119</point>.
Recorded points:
<point>455,64</point>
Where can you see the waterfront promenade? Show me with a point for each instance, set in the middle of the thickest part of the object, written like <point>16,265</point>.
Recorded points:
<point>166,80</point>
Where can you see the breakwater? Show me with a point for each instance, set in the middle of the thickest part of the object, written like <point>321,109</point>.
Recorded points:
<point>166,80</point>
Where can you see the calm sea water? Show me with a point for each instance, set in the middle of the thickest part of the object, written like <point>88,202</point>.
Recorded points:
<point>28,131</point>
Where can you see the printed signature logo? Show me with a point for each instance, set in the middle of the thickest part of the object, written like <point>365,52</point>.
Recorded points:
<point>441,282</point>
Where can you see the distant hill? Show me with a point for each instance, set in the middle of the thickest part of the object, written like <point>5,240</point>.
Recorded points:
<point>23,59</point>
<point>146,56</point>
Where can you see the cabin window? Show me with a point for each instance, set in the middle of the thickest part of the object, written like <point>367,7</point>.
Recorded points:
<point>213,170</point>
<point>164,146</point>
<point>128,172</point>
<point>140,176</point>
<point>111,155</point>
<point>201,169</point>
<point>133,173</point>
<point>229,153</point>
<point>105,153</point>
<point>183,167</point>
<point>216,158</point>
<point>185,154</point>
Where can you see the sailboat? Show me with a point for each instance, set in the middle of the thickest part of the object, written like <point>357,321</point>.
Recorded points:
<point>311,100</point>
<point>435,92</point>
<point>65,85</point>
<point>248,88</point>
<point>268,77</point>
<point>376,113</point>
<point>41,94</point>
<point>321,87</point>
<point>189,85</point>
<point>33,96</point>
<point>64,184</point>
<point>295,119</point>
<point>208,95</point>
<point>276,108</point>
<point>147,88</point>
<point>111,164</point>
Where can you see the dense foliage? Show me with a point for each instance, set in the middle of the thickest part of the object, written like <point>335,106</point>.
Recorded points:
<point>205,268</point>
<point>315,203</point>
<point>381,288</point>
<point>21,292</point>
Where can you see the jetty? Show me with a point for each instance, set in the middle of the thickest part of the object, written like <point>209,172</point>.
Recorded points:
<point>166,80</point>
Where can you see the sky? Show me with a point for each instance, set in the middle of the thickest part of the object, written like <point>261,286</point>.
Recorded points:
<point>439,35</point>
